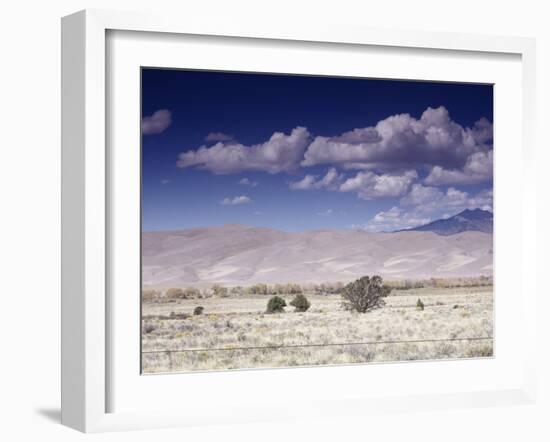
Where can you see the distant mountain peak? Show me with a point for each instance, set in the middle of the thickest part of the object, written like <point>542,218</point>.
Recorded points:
<point>474,220</point>
<point>475,214</point>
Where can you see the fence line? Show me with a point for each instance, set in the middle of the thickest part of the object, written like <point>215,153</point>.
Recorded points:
<point>275,347</point>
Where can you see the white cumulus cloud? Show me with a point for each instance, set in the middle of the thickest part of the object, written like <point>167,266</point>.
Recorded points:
<point>330,181</point>
<point>366,184</point>
<point>242,199</point>
<point>478,169</point>
<point>327,212</point>
<point>247,182</point>
<point>400,140</point>
<point>393,219</point>
<point>369,185</point>
<point>428,200</point>
<point>281,153</point>
<point>420,194</point>
<point>156,123</point>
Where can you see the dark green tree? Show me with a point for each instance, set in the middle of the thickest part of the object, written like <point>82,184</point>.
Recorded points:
<point>276,304</point>
<point>300,303</point>
<point>365,294</point>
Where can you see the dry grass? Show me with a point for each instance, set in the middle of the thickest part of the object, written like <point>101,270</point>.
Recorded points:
<point>235,332</point>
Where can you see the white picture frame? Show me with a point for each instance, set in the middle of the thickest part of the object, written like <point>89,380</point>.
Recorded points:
<point>86,205</point>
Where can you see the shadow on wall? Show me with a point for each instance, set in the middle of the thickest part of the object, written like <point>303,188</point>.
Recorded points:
<point>51,414</point>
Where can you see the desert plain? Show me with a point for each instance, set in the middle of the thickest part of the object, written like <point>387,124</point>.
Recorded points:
<point>221,271</point>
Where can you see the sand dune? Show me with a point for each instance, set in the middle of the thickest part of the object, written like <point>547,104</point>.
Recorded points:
<point>240,255</point>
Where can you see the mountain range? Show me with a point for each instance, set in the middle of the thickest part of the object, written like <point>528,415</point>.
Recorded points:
<point>241,255</point>
<point>475,220</point>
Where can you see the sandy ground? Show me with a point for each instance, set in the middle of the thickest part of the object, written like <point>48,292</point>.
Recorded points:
<point>235,333</point>
<point>240,255</point>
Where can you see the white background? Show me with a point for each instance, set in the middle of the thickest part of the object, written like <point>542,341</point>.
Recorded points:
<point>29,229</point>
<point>131,392</point>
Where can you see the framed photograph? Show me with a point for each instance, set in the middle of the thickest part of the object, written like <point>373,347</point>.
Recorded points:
<point>378,239</point>
<point>274,222</point>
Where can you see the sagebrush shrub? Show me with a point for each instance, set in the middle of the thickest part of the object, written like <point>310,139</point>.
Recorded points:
<point>238,290</point>
<point>258,289</point>
<point>150,295</point>
<point>220,291</point>
<point>198,310</point>
<point>191,293</point>
<point>300,303</point>
<point>149,328</point>
<point>419,304</point>
<point>276,304</point>
<point>174,293</point>
<point>174,315</point>
<point>365,294</point>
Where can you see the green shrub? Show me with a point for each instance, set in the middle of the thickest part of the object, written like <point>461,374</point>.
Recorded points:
<point>300,303</point>
<point>419,304</point>
<point>276,304</point>
<point>198,310</point>
<point>365,294</point>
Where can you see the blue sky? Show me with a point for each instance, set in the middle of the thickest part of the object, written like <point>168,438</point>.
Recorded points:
<point>300,152</point>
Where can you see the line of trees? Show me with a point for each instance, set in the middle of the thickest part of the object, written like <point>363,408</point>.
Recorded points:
<point>220,291</point>
<point>462,281</point>
<point>334,288</point>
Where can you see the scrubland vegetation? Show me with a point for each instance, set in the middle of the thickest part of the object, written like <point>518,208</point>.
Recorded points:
<point>368,320</point>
